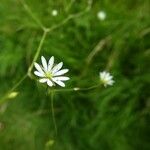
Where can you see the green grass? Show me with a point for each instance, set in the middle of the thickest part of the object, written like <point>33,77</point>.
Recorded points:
<point>113,118</point>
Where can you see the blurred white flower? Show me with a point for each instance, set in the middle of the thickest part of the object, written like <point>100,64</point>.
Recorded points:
<point>54,12</point>
<point>106,78</point>
<point>50,73</point>
<point>101,15</point>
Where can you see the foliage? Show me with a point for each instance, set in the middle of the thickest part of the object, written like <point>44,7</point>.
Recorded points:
<point>113,118</point>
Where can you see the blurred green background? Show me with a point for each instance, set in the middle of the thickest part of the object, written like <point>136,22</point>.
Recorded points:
<point>113,118</point>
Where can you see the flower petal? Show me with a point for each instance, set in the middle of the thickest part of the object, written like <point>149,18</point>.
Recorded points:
<point>38,67</point>
<point>49,83</point>
<point>103,74</point>
<point>44,63</point>
<point>39,74</point>
<point>61,72</point>
<point>59,82</point>
<point>109,77</point>
<point>111,82</point>
<point>43,80</point>
<point>62,78</point>
<point>57,67</point>
<point>50,63</point>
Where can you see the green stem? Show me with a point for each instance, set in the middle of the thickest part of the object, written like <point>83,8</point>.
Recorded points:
<point>37,52</point>
<point>53,113</point>
<point>77,89</point>
<point>28,10</point>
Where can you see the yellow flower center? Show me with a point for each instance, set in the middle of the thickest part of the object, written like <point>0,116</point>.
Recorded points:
<point>48,75</point>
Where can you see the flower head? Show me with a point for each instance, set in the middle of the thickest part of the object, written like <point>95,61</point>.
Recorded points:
<point>54,12</point>
<point>50,73</point>
<point>101,15</point>
<point>13,95</point>
<point>106,78</point>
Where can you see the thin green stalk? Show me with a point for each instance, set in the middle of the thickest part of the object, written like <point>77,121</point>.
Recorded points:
<point>71,16</point>
<point>53,113</point>
<point>29,11</point>
<point>77,89</point>
<point>37,52</point>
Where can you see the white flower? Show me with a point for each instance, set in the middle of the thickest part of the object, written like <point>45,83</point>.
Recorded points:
<point>106,78</point>
<point>101,15</point>
<point>54,12</point>
<point>50,73</point>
